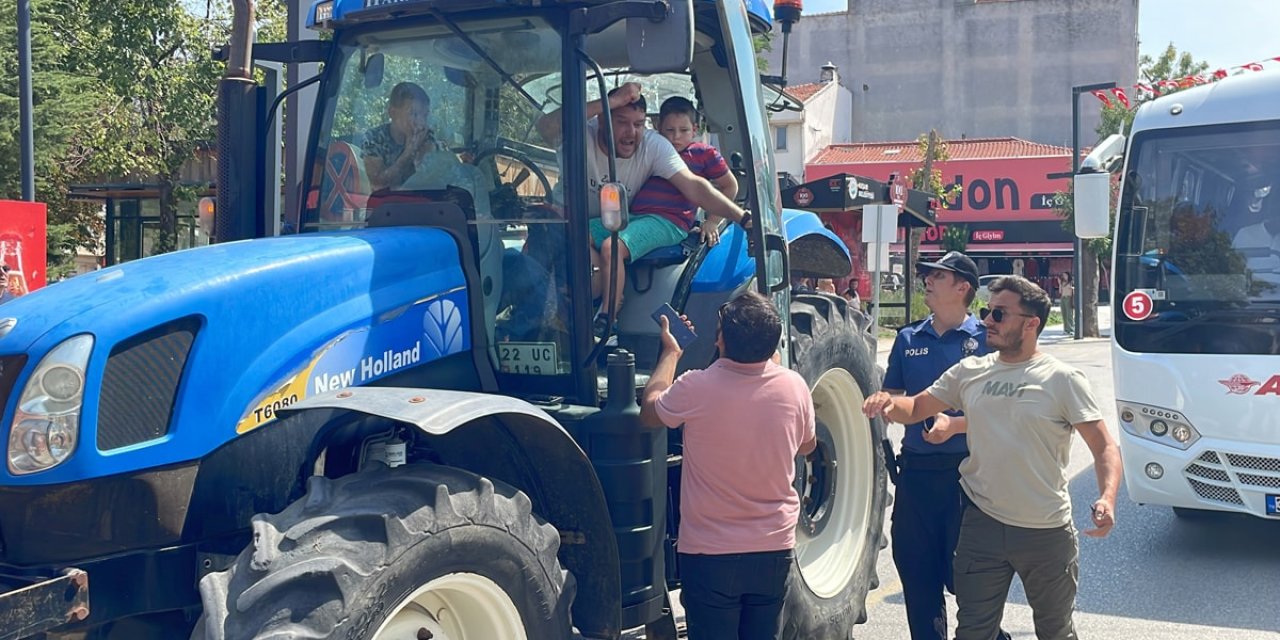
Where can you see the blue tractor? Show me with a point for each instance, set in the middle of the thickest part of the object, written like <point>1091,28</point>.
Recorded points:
<point>395,420</point>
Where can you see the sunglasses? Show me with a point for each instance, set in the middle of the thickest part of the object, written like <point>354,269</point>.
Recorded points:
<point>999,314</point>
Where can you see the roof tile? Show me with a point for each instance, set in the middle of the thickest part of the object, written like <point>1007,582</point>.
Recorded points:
<point>968,149</point>
<point>803,92</point>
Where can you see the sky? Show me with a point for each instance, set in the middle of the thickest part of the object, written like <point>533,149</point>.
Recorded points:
<point>1224,33</point>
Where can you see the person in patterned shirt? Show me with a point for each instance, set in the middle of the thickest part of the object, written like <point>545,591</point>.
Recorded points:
<point>678,123</point>
<point>392,151</point>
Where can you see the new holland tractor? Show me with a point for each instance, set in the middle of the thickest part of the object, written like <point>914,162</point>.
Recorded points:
<point>395,421</point>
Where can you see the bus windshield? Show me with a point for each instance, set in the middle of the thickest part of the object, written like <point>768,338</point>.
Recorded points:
<point>1199,232</point>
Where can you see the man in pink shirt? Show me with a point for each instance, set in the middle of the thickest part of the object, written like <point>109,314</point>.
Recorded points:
<point>745,419</point>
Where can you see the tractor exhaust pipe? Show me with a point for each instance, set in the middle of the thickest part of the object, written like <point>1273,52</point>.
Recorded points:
<point>239,161</point>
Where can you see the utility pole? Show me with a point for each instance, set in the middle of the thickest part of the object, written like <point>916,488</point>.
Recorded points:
<point>26,134</point>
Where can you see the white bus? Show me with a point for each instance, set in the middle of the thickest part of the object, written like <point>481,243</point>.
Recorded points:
<point>1196,295</point>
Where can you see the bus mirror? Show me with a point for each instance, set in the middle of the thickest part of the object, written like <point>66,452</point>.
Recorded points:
<point>1092,200</point>
<point>662,46</point>
<point>1105,156</point>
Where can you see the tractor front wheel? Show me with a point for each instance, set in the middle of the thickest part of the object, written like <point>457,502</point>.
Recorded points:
<point>420,551</point>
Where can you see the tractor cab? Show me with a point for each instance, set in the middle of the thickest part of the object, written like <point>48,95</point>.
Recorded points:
<point>432,119</point>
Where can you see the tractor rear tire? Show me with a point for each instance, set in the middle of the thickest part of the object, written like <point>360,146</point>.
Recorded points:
<point>416,551</point>
<point>846,492</point>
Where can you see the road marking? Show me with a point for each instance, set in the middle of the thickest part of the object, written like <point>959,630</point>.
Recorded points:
<point>890,588</point>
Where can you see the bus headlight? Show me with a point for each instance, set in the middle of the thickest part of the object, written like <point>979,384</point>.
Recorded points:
<point>1157,424</point>
<point>46,425</point>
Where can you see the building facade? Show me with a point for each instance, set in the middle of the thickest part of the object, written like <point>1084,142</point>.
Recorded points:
<point>825,118</point>
<point>968,68</point>
<point>1001,196</point>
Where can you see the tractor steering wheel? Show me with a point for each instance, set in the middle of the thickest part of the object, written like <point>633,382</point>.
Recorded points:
<point>530,167</point>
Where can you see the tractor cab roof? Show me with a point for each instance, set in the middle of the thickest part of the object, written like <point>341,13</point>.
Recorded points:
<point>326,14</point>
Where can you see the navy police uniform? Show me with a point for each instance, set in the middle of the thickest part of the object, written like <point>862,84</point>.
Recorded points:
<point>928,507</point>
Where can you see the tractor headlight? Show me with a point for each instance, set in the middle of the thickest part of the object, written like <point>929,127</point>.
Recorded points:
<point>46,425</point>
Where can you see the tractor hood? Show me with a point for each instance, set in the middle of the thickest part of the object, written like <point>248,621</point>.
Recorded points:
<point>274,282</point>
<point>266,317</point>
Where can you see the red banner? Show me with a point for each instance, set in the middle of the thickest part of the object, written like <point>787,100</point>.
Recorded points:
<point>22,244</point>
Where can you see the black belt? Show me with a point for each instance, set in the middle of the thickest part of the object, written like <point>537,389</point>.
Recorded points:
<point>935,462</point>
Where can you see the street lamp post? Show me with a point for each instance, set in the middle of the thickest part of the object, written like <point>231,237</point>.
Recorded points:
<point>1077,264</point>
<point>26,131</point>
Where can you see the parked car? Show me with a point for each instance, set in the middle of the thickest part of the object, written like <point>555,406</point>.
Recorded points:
<point>983,293</point>
<point>892,281</point>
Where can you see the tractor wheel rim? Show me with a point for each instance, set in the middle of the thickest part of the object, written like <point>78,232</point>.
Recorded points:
<point>829,556</point>
<point>457,606</point>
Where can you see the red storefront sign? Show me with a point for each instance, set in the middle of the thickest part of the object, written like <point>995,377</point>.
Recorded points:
<point>1013,189</point>
<point>22,244</point>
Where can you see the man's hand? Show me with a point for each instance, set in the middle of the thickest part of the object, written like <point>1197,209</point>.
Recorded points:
<point>625,95</point>
<point>419,143</point>
<point>710,229</point>
<point>1104,518</point>
<point>669,344</point>
<point>941,431</point>
<point>879,403</point>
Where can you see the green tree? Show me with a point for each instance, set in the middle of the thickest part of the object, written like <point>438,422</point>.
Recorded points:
<point>1169,65</point>
<point>65,98</point>
<point>931,157</point>
<point>933,150</point>
<point>955,238</point>
<point>154,58</point>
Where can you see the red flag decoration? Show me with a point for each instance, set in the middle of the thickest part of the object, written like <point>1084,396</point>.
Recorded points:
<point>1119,94</point>
<point>1158,87</point>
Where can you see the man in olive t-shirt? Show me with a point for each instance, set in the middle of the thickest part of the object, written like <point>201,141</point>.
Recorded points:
<point>1020,407</point>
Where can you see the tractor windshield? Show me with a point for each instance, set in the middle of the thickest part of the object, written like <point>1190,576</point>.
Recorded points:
<point>440,113</point>
<point>1198,238</point>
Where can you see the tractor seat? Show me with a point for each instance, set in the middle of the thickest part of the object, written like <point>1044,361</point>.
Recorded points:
<point>671,254</point>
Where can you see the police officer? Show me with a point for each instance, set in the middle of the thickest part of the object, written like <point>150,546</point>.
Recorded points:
<point>928,507</point>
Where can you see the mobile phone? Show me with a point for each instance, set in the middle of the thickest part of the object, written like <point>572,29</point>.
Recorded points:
<point>683,334</point>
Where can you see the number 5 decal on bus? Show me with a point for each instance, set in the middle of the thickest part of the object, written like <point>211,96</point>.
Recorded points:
<point>1137,305</point>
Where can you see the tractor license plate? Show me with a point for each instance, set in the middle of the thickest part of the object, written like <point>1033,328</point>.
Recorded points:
<point>1273,504</point>
<point>529,358</point>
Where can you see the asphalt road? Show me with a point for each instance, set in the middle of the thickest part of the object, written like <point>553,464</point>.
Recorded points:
<point>1155,577</point>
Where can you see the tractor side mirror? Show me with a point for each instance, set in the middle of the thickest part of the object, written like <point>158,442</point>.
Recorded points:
<point>373,69</point>
<point>662,46</point>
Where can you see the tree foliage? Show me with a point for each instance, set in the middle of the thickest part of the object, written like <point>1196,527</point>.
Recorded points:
<point>933,183</point>
<point>123,91</point>
<point>1169,65</point>
<point>955,238</point>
